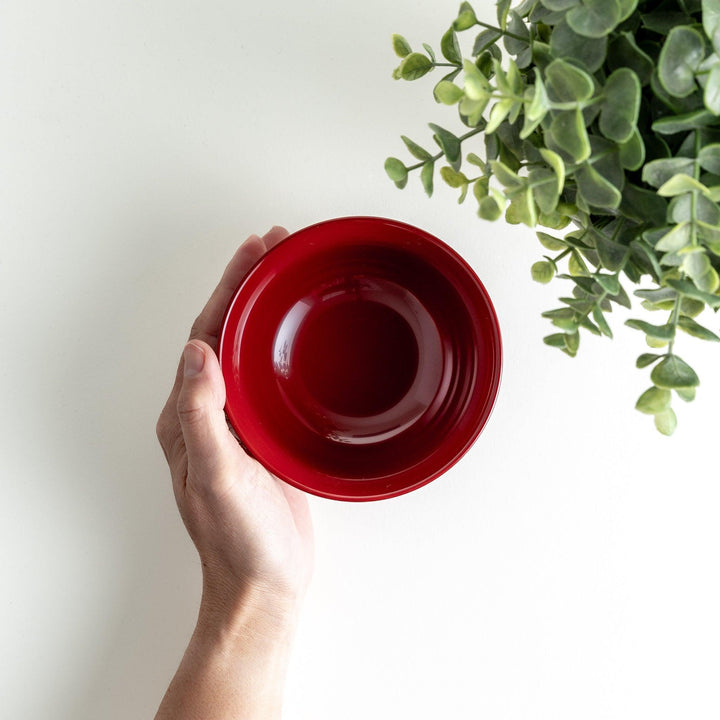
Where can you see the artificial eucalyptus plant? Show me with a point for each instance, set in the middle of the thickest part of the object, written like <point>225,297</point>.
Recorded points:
<point>600,118</point>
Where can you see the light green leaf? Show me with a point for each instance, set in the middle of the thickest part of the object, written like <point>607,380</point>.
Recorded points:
<point>453,178</point>
<point>551,243</point>
<point>602,323</point>
<point>466,17</point>
<point>673,372</point>
<point>595,18</point>
<point>681,184</point>
<point>666,422</point>
<point>621,106</point>
<point>426,177</point>
<point>654,400</point>
<point>557,164</point>
<point>698,268</point>
<point>401,46</point>
<point>537,108</point>
<point>544,186</point>
<point>632,152</point>
<point>489,208</point>
<point>503,8</point>
<point>567,83</point>
<point>542,272</point>
<point>680,57</point>
<point>476,85</point>
<point>711,21</point>
<point>674,124</point>
<point>658,172</point>
<point>675,239</point>
<point>709,158</point>
<point>688,289</point>
<point>568,133</point>
<point>686,394</point>
<point>447,93</point>
<point>396,170</point>
<point>414,66</point>
<point>711,93</point>
<point>505,175</point>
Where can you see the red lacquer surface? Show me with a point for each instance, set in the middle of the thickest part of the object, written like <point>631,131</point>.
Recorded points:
<point>362,358</point>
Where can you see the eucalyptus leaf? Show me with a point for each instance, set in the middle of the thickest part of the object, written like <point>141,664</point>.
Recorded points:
<point>654,400</point>
<point>673,372</point>
<point>666,422</point>
<point>595,18</point>
<point>680,57</point>
<point>621,106</point>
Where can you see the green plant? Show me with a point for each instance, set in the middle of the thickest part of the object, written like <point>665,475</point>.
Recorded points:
<point>601,115</point>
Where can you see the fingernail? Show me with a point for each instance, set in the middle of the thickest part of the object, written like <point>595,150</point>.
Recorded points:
<point>194,359</point>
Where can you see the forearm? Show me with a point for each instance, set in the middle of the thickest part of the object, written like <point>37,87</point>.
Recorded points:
<point>234,666</point>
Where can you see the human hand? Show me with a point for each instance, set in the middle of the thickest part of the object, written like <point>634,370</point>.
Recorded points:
<point>252,531</point>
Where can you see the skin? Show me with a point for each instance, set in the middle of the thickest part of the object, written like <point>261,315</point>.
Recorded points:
<point>252,531</point>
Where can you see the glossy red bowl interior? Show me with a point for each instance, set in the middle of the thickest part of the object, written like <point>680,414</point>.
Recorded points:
<point>362,358</point>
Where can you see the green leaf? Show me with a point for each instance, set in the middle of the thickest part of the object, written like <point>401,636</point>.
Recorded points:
<point>680,57</point>
<point>632,152</point>
<point>680,184</point>
<point>595,18</point>
<point>568,83</point>
<point>453,178</point>
<point>647,359</point>
<point>544,187</point>
<point>686,394</point>
<point>537,108</point>
<point>426,177</point>
<point>447,93</point>
<point>490,209</point>
<point>711,93</point>
<point>673,372</point>
<point>476,85</point>
<point>466,17</point>
<point>609,283</point>
<point>560,4</point>
<point>654,400</point>
<point>621,106</point>
<point>623,52</point>
<point>551,243</point>
<point>658,332</point>
<point>396,170</point>
<point>414,66</point>
<point>698,268</point>
<point>566,43</point>
<point>599,318</point>
<point>542,271</point>
<point>676,239</point>
<point>688,289</point>
<point>711,21</point>
<point>449,144</point>
<point>611,254</point>
<point>666,422</point>
<point>484,40</point>
<point>658,172</point>
<point>595,189</point>
<point>696,330</point>
<point>450,47</point>
<point>569,134</point>
<point>415,150</point>
<point>709,158</point>
<point>503,8</point>
<point>683,123</point>
<point>401,46</point>
<point>557,164</point>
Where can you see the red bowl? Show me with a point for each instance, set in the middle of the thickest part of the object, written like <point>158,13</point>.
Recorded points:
<point>362,358</point>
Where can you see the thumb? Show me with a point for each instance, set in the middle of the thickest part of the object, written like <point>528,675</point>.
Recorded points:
<point>200,409</point>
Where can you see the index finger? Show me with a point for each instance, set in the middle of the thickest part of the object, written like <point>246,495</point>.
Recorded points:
<point>207,325</point>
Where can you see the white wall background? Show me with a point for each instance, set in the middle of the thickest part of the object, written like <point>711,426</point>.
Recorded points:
<point>566,568</point>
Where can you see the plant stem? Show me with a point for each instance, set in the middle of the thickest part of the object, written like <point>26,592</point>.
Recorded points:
<point>507,33</point>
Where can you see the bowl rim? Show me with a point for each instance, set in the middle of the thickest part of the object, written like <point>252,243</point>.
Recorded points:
<point>492,325</point>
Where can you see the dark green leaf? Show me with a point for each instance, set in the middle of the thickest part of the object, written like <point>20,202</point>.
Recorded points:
<point>709,158</point>
<point>647,359</point>
<point>643,206</point>
<point>450,47</point>
<point>658,332</point>
<point>623,51</point>
<point>684,123</point>
<point>602,323</point>
<point>449,144</point>
<point>620,109</point>
<point>415,149</point>
<point>696,330</point>
<point>685,287</point>
<point>595,189</point>
<point>672,372</point>
<point>484,40</point>
<point>609,283</point>
<point>632,152</point>
<point>611,253</point>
